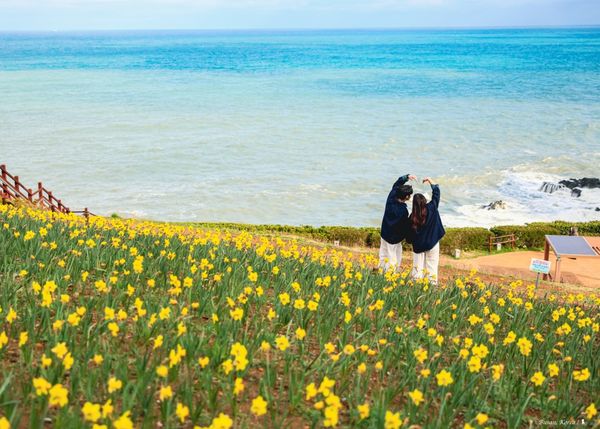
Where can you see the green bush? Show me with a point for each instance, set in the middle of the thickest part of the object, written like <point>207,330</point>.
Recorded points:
<point>589,228</point>
<point>347,236</point>
<point>529,236</point>
<point>373,238</point>
<point>564,228</point>
<point>465,239</point>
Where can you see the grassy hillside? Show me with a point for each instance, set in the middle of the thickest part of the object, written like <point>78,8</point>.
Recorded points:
<point>123,323</point>
<point>528,236</point>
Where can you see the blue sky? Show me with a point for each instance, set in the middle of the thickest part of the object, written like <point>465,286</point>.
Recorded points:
<point>229,14</point>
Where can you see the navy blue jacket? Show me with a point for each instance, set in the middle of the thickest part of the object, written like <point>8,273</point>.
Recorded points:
<point>394,225</point>
<point>426,237</point>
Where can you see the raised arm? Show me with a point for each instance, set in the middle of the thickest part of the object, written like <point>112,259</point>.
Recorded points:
<point>402,180</point>
<point>435,191</point>
<point>435,194</point>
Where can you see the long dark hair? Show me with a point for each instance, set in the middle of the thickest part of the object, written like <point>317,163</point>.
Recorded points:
<point>419,211</point>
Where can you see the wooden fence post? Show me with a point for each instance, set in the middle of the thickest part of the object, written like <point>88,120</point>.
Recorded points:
<point>40,192</point>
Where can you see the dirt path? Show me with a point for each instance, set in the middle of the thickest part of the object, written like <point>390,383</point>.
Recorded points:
<point>578,275</point>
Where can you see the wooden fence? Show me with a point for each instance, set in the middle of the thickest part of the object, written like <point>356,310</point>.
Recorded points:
<point>13,189</point>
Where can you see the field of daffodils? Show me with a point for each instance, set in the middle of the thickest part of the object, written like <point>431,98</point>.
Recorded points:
<point>121,324</point>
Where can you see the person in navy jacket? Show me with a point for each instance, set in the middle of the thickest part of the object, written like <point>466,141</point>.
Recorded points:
<point>394,226</point>
<point>426,231</point>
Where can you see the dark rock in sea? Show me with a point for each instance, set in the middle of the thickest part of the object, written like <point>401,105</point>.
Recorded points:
<point>575,185</point>
<point>496,205</point>
<point>598,209</point>
<point>586,182</point>
<point>550,187</point>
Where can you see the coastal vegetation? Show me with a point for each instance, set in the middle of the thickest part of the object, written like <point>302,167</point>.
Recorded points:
<point>466,238</point>
<point>120,323</point>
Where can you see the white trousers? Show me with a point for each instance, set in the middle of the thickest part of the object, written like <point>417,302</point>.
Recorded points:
<point>426,264</point>
<point>390,256</point>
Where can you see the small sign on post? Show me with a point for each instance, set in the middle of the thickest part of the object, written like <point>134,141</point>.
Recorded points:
<point>539,266</point>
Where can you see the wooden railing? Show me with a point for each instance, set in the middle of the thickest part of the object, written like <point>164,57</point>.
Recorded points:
<point>499,240</point>
<point>11,188</point>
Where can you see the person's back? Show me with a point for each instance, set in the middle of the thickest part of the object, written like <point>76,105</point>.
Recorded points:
<point>425,237</point>
<point>394,225</point>
<point>425,233</point>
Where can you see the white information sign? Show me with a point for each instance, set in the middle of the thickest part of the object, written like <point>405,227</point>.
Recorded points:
<point>539,266</point>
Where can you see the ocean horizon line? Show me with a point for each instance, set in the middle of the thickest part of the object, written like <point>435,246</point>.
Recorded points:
<point>300,29</point>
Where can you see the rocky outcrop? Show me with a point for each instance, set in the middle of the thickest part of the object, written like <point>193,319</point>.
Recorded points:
<point>550,187</point>
<point>575,185</point>
<point>496,205</point>
<point>586,182</point>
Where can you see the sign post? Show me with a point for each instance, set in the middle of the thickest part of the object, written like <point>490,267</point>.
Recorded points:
<point>539,266</point>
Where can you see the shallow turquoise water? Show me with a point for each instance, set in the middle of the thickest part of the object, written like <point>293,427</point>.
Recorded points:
<point>304,127</point>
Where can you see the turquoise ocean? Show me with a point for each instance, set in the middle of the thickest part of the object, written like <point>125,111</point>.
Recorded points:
<point>304,127</point>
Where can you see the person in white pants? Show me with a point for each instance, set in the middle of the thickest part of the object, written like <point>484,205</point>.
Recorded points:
<point>426,231</point>
<point>394,226</point>
<point>390,256</point>
<point>426,264</point>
